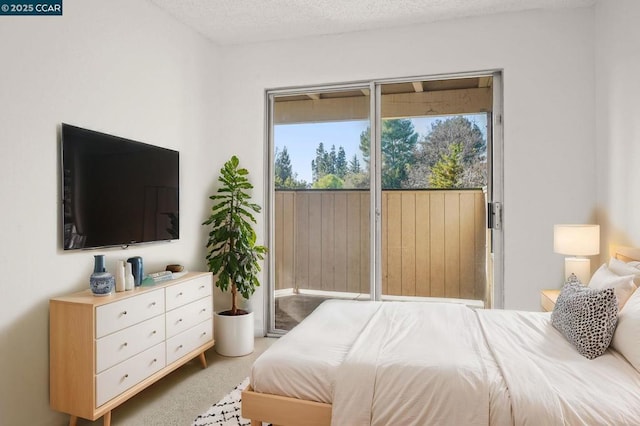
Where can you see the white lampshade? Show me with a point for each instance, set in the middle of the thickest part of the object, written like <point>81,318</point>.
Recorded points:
<point>576,240</point>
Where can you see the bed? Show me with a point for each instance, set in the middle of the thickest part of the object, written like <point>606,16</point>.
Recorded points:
<point>361,363</point>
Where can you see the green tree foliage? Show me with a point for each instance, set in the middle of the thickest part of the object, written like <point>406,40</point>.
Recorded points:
<point>356,178</point>
<point>354,165</point>
<point>329,163</point>
<point>447,172</point>
<point>398,141</point>
<point>290,183</point>
<point>455,130</point>
<point>282,169</point>
<point>357,181</point>
<point>284,178</point>
<point>341,163</point>
<point>437,144</point>
<point>322,164</point>
<point>329,181</point>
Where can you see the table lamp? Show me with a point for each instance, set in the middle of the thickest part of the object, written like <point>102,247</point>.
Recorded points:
<point>577,241</point>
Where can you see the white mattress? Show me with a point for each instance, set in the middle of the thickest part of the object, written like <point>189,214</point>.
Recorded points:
<point>532,373</point>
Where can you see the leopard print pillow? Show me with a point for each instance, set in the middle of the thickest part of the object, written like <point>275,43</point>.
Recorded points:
<point>586,317</point>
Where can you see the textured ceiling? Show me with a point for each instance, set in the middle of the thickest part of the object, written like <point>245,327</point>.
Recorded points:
<point>228,22</point>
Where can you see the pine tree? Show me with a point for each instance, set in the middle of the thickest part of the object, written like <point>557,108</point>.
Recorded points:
<point>341,163</point>
<point>282,165</point>
<point>330,161</point>
<point>354,165</point>
<point>318,166</point>
<point>398,140</point>
<point>284,177</point>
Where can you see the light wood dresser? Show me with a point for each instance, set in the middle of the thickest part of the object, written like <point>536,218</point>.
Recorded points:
<point>104,350</point>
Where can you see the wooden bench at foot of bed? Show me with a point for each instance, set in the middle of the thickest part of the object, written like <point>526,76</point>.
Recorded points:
<point>283,411</point>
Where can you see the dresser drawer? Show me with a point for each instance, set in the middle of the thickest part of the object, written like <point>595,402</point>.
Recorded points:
<point>189,315</point>
<point>121,377</point>
<point>185,342</point>
<point>187,292</point>
<point>126,312</point>
<point>123,344</point>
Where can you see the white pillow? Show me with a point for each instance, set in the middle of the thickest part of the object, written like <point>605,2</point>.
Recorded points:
<point>626,338</point>
<point>621,268</point>
<point>623,286</point>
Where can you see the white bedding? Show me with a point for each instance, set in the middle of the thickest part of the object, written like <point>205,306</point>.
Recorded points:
<point>414,364</point>
<point>302,363</point>
<point>550,383</point>
<point>445,364</point>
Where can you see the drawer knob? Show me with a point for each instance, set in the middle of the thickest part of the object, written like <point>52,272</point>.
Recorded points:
<point>153,303</point>
<point>180,347</point>
<point>123,313</point>
<point>179,320</point>
<point>180,294</point>
<point>155,360</point>
<point>204,310</point>
<point>126,376</point>
<point>154,332</point>
<point>201,287</point>
<point>204,333</point>
<point>124,344</point>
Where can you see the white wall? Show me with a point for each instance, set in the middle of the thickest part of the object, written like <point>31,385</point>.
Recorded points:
<point>618,127</point>
<point>549,149</point>
<point>122,67</point>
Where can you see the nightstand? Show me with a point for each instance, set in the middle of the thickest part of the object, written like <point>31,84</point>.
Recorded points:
<point>548,299</point>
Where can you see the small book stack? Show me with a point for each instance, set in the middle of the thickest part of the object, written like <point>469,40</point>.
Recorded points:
<point>161,276</point>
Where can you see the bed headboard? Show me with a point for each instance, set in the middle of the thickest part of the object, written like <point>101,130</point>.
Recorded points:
<point>626,254</point>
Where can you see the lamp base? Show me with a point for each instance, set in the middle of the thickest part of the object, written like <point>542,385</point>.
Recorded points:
<point>580,267</point>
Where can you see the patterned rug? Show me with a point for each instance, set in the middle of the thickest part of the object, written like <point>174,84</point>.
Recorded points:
<point>225,412</point>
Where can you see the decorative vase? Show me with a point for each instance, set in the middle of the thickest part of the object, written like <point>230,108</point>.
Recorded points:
<point>128,278</point>
<point>120,277</point>
<point>101,282</point>
<point>137,269</point>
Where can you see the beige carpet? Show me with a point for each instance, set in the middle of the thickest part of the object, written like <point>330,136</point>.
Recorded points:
<point>227,411</point>
<point>181,396</point>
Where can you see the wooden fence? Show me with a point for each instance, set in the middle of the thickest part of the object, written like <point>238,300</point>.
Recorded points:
<point>433,242</point>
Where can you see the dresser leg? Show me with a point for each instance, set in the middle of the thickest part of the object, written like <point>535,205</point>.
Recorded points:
<point>73,420</point>
<point>203,360</point>
<point>106,420</point>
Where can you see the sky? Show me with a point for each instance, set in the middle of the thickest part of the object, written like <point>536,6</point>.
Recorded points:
<point>302,140</point>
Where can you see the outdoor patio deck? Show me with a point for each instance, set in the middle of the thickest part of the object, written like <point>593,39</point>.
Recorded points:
<point>291,308</point>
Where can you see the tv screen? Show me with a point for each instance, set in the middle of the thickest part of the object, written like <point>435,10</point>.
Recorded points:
<point>117,192</point>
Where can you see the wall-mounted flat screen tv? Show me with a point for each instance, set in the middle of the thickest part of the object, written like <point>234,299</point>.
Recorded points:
<point>117,192</point>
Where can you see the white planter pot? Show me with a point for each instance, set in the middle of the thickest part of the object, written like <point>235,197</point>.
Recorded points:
<point>233,334</point>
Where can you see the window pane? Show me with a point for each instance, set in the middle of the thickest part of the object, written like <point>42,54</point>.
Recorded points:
<point>434,173</point>
<point>321,211</point>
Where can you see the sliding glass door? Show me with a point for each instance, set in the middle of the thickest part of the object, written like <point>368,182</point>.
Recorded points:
<point>380,191</point>
<point>434,175</point>
<point>320,200</point>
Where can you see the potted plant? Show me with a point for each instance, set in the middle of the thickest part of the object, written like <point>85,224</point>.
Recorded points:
<point>233,257</point>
